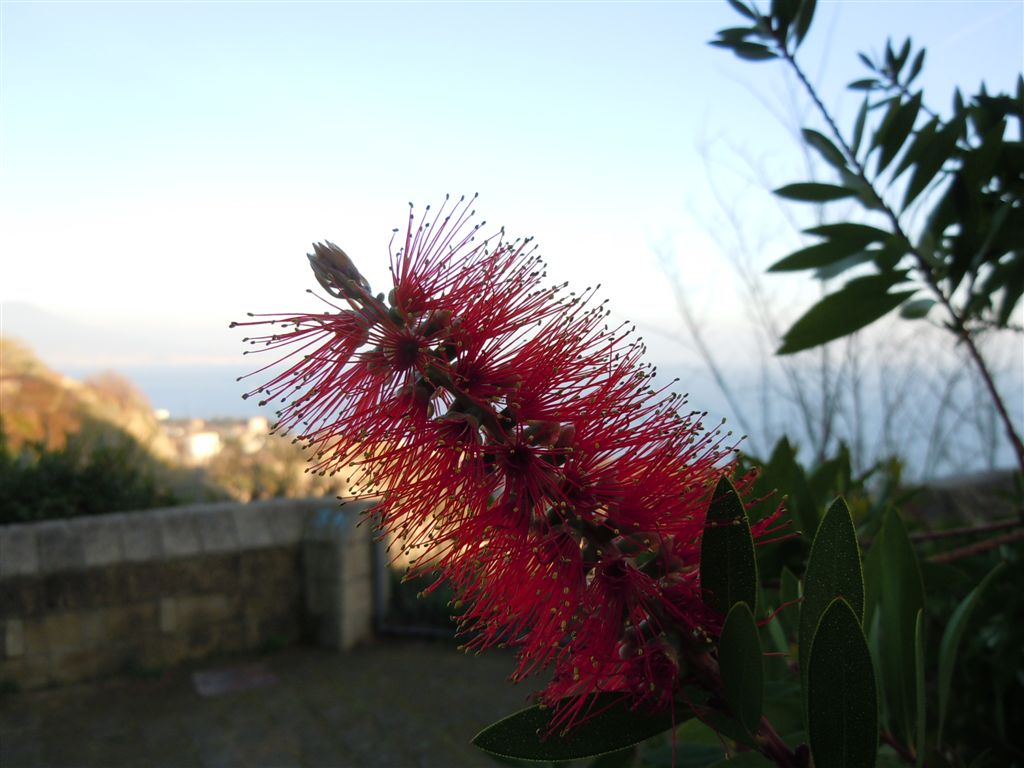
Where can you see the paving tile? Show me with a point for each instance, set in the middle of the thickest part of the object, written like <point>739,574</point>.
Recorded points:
<point>389,704</point>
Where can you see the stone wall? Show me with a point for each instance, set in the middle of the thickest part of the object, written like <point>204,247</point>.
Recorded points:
<point>89,597</point>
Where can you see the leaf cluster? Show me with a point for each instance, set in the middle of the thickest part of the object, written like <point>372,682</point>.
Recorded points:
<point>945,192</point>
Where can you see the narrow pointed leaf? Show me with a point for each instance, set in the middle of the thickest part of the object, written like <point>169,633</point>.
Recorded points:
<point>864,84</point>
<point>829,152</point>
<point>803,20</point>
<point>742,9</point>
<point>521,736</point>
<point>950,645</point>
<point>843,703</point>
<point>863,234</point>
<point>728,569</point>
<point>837,268</point>
<point>744,760</point>
<point>859,303</point>
<point>916,309</point>
<point>898,130</point>
<point>813,192</point>
<point>919,686</point>
<point>739,655</point>
<point>901,595</point>
<point>816,256</point>
<point>858,125</point>
<point>915,67</point>
<point>833,570</point>
<point>753,51</point>
<point>624,758</point>
<point>932,158</point>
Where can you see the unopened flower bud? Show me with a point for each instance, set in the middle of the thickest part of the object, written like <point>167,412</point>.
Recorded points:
<point>335,271</point>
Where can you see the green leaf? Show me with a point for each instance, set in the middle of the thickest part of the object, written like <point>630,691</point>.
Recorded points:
<point>862,234</point>
<point>834,270</point>
<point>833,570</point>
<point>739,655</point>
<point>829,152</point>
<point>897,130</point>
<point>932,158</point>
<point>916,309</point>
<point>923,138</point>
<point>624,758</point>
<point>816,256</point>
<point>614,727</point>
<point>901,595</point>
<point>864,84</point>
<point>744,760</point>
<point>859,303</point>
<point>919,685</point>
<point>813,192</point>
<point>742,9</point>
<point>915,67</point>
<point>950,644</point>
<point>736,34</point>
<point>842,701</point>
<point>803,20</point>
<point>786,472</point>
<point>901,59</point>
<point>782,12</point>
<point>753,51</point>
<point>858,125</point>
<point>728,569</point>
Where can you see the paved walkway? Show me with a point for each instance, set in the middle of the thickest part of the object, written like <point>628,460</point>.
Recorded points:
<point>399,704</point>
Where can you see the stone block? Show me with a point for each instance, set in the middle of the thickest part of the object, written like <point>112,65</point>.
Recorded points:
<point>35,637</point>
<point>270,565</point>
<point>217,531</point>
<point>141,538</point>
<point>101,539</point>
<point>22,596</point>
<point>70,591</point>
<point>178,533</point>
<point>59,548</point>
<point>131,620</point>
<point>252,527</point>
<point>72,665</point>
<point>287,525</point>
<point>63,631</point>
<point>168,613</point>
<point>28,671</point>
<point>94,628</point>
<point>13,638</point>
<point>146,581</point>
<point>204,610</point>
<point>19,554</point>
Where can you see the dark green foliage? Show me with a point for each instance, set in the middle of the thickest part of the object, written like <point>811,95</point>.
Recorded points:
<point>842,703</point>
<point>964,171</point>
<point>728,570</point>
<point>95,472</point>
<point>740,659</point>
<point>525,735</point>
<point>833,571</point>
<point>859,303</point>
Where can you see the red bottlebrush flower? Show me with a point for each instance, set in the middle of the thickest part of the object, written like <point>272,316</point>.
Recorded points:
<point>515,440</point>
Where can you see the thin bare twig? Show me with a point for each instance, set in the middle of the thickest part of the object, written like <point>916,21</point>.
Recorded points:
<point>977,548</point>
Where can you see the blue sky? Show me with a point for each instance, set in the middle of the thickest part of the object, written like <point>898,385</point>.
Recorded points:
<point>166,165</point>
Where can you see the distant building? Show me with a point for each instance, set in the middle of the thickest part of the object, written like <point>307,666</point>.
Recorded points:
<point>203,446</point>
